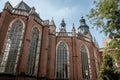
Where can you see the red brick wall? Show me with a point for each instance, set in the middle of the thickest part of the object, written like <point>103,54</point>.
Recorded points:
<point>6,19</point>
<point>44,53</point>
<point>30,23</point>
<point>74,56</point>
<point>51,56</point>
<point>48,48</point>
<point>4,24</point>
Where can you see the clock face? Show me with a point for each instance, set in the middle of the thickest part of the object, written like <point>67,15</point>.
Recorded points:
<point>84,30</point>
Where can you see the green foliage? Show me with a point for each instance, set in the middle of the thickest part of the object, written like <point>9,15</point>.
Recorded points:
<point>108,70</point>
<point>106,16</point>
<point>114,47</point>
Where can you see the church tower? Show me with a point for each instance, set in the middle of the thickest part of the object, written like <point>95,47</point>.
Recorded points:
<point>63,26</point>
<point>83,29</point>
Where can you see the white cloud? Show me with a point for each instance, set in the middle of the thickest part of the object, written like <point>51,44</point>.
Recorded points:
<point>70,14</point>
<point>66,12</point>
<point>14,2</point>
<point>47,10</point>
<point>52,11</point>
<point>70,10</point>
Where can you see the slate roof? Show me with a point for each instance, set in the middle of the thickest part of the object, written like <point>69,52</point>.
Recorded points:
<point>23,6</point>
<point>23,9</point>
<point>52,22</point>
<point>0,14</point>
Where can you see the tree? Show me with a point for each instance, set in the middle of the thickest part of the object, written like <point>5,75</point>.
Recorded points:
<point>108,70</point>
<point>114,45</point>
<point>106,16</point>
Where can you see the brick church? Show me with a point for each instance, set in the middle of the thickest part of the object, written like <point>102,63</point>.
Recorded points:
<point>31,49</point>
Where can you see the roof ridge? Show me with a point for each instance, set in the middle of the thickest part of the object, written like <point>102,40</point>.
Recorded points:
<point>22,5</point>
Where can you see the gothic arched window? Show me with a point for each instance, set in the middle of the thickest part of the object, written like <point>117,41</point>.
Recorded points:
<point>85,62</point>
<point>12,47</point>
<point>30,69</point>
<point>61,71</point>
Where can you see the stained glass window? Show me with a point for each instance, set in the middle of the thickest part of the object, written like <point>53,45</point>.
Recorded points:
<point>12,47</point>
<point>32,51</point>
<point>61,62</point>
<point>85,63</point>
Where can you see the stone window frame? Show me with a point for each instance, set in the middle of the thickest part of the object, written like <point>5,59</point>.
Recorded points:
<point>67,60</point>
<point>89,72</point>
<point>36,63</point>
<point>6,41</point>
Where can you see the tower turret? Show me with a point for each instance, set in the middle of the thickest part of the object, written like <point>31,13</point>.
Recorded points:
<point>73,30</point>
<point>63,26</point>
<point>83,28</point>
<point>52,26</point>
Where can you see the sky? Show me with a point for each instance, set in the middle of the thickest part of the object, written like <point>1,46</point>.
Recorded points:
<point>70,10</point>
